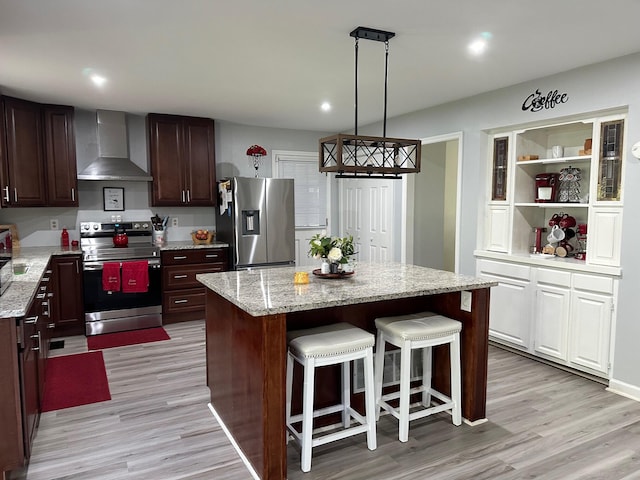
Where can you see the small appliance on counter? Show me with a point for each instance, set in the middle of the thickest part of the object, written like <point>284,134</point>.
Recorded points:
<point>546,186</point>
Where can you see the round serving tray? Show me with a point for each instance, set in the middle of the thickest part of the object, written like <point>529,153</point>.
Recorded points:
<point>318,273</point>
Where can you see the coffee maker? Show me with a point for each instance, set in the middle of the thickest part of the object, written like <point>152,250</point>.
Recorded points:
<point>546,186</point>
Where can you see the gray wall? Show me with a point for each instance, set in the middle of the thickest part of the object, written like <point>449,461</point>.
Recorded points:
<point>428,234</point>
<point>594,88</point>
<point>232,141</point>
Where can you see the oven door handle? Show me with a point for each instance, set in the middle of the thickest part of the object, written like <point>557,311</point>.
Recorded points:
<point>95,266</point>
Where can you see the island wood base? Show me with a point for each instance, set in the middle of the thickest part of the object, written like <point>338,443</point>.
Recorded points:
<point>246,364</point>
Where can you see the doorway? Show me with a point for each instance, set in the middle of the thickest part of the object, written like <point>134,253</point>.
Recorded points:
<point>432,205</point>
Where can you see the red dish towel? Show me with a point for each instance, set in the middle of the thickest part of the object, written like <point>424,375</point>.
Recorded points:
<point>111,277</point>
<point>135,276</point>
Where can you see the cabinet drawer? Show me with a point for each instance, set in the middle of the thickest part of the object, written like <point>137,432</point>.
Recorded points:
<point>187,300</point>
<point>554,277</point>
<point>593,283</point>
<point>198,255</point>
<point>512,270</point>
<point>184,276</point>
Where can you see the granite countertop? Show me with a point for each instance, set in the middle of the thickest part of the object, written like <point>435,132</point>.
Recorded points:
<point>15,301</point>
<point>189,245</point>
<point>271,291</point>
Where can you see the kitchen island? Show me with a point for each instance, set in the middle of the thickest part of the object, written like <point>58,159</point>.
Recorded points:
<point>249,312</point>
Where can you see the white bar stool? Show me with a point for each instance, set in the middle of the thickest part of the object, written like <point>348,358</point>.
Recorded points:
<point>330,345</point>
<point>409,332</point>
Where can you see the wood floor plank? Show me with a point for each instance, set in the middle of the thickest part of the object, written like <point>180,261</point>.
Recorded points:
<point>544,423</point>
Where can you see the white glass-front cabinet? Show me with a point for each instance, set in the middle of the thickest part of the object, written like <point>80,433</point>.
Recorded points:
<point>560,309</point>
<point>574,168</point>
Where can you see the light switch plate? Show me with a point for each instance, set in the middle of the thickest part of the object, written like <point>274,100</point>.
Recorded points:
<point>53,224</point>
<point>465,301</point>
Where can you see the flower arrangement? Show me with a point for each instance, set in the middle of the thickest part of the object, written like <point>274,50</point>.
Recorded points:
<point>334,249</point>
<point>256,151</point>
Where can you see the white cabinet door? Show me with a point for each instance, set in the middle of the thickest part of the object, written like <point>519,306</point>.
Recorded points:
<point>498,227</point>
<point>551,321</point>
<point>510,311</point>
<point>589,330</point>
<point>604,236</point>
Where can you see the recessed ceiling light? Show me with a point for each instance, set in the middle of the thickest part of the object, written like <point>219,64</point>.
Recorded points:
<point>98,80</point>
<point>480,44</point>
<point>326,106</point>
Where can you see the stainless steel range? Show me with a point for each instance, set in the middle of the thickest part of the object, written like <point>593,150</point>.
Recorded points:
<point>108,311</point>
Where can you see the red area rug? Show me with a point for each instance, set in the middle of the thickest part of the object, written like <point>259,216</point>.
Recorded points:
<point>132,337</point>
<point>73,380</point>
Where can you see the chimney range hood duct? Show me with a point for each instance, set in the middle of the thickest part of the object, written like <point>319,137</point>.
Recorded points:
<point>113,162</point>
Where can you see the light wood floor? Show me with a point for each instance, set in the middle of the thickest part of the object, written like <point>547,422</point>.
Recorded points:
<point>543,423</point>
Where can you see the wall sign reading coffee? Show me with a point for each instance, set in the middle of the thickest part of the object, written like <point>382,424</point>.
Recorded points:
<point>537,101</point>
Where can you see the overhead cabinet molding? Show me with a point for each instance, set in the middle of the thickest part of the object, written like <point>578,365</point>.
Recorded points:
<point>37,156</point>
<point>182,156</point>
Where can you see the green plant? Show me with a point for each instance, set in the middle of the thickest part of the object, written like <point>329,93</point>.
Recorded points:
<point>334,249</point>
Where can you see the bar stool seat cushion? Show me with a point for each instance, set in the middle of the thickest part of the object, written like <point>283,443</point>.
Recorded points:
<point>418,326</point>
<point>329,340</point>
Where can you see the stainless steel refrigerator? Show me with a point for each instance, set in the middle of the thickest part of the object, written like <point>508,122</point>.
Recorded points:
<point>256,218</point>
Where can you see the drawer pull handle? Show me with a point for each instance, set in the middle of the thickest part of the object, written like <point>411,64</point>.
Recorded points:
<point>180,276</point>
<point>31,320</point>
<point>212,255</point>
<point>41,295</point>
<point>180,257</point>
<point>181,301</point>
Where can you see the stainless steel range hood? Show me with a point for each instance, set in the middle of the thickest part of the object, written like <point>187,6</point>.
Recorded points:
<point>113,161</point>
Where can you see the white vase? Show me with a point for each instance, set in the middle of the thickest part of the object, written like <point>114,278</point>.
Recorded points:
<point>325,267</point>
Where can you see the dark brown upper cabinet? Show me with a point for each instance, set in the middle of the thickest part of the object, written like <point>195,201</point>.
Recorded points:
<point>182,157</point>
<point>38,163</point>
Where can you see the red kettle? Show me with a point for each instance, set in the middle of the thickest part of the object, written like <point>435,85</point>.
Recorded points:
<point>120,238</point>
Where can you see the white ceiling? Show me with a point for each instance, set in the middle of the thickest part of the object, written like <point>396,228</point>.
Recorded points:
<point>273,62</point>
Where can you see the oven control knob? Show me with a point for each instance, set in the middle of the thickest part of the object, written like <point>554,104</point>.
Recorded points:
<point>96,226</point>
<point>145,226</point>
<point>85,226</point>
<point>136,226</point>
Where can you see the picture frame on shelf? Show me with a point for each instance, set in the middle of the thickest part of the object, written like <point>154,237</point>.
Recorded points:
<point>113,199</point>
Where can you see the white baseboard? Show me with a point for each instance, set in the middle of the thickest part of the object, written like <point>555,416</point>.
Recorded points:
<point>624,389</point>
<point>233,442</point>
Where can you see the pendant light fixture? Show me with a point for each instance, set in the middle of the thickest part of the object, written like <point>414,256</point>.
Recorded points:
<point>360,156</point>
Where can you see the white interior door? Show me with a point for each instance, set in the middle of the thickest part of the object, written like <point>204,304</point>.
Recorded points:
<point>366,213</point>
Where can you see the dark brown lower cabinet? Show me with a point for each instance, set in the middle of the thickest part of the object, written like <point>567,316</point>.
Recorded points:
<point>23,355</point>
<point>67,309</point>
<point>183,297</point>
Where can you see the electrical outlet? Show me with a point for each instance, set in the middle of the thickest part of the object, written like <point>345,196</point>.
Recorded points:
<point>465,301</point>
<point>53,224</point>
<point>174,221</point>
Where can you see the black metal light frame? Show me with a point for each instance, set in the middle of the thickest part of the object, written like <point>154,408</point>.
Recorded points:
<point>359,156</point>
